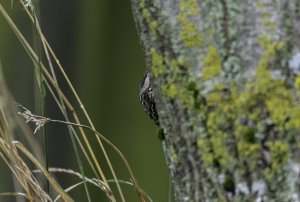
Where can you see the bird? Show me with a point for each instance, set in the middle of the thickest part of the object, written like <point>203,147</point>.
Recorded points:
<point>147,100</point>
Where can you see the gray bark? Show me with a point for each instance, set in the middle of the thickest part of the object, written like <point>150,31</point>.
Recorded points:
<point>225,77</point>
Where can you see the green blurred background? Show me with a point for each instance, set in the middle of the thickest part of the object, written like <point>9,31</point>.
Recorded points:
<point>98,46</point>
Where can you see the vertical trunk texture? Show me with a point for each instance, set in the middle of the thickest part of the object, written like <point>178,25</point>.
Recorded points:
<point>226,77</point>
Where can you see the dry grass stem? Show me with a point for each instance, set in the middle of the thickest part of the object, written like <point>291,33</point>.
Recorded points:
<point>10,148</point>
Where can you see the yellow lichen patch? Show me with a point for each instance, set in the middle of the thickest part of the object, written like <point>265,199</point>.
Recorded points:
<point>269,45</point>
<point>297,82</point>
<point>153,24</point>
<point>146,14</point>
<point>170,90</point>
<point>218,141</point>
<point>262,113</point>
<point>266,22</point>
<point>190,35</point>
<point>279,151</point>
<point>189,7</point>
<point>270,48</point>
<point>173,153</point>
<point>214,98</point>
<point>279,109</point>
<point>260,5</point>
<point>294,122</point>
<point>157,63</point>
<point>276,95</point>
<point>186,97</point>
<point>153,28</point>
<point>207,157</point>
<point>249,153</point>
<point>189,32</point>
<point>176,84</point>
<point>217,137</point>
<point>211,64</point>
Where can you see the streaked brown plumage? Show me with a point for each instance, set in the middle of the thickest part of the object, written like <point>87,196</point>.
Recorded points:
<point>147,98</point>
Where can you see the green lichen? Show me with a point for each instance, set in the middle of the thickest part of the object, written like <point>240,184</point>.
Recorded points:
<point>280,109</point>
<point>157,63</point>
<point>170,90</point>
<point>207,155</point>
<point>176,88</point>
<point>213,143</point>
<point>189,32</point>
<point>297,82</point>
<point>173,153</point>
<point>211,64</point>
<point>278,102</point>
<point>260,5</point>
<point>266,22</point>
<point>189,7</point>
<point>263,116</point>
<point>176,85</point>
<point>190,35</point>
<point>153,28</point>
<point>270,46</point>
<point>146,14</point>
<point>294,119</point>
<point>279,151</point>
<point>152,23</point>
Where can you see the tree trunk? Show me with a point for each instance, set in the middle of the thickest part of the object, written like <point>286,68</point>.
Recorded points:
<point>225,77</point>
